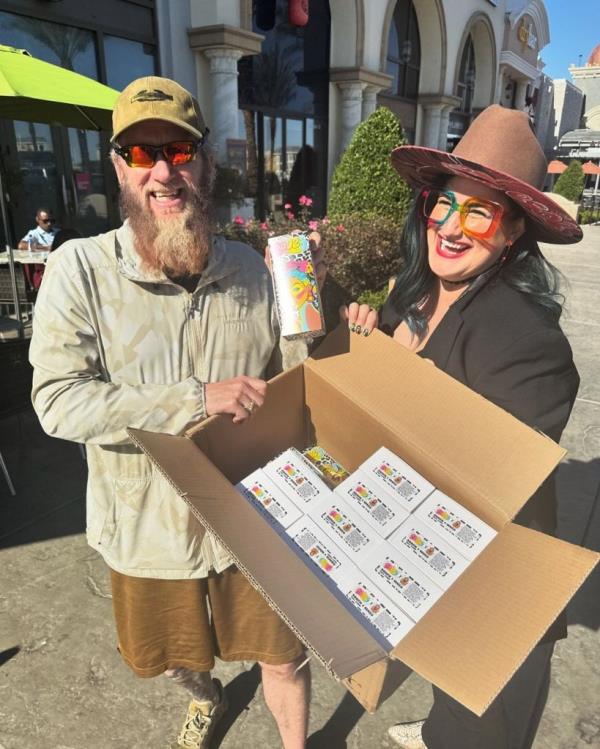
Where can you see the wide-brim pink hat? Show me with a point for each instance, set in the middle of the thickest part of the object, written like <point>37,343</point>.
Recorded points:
<point>498,150</point>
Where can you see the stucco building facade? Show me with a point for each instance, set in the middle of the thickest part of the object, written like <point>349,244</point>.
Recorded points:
<point>435,63</point>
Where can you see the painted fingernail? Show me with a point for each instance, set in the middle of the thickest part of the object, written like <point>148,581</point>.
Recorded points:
<point>357,329</point>
<point>366,332</point>
<point>352,327</point>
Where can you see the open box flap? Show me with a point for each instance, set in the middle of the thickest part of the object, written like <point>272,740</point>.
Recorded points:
<point>478,634</point>
<point>468,447</point>
<point>311,610</point>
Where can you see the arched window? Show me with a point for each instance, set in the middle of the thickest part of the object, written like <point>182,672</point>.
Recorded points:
<point>460,118</point>
<point>466,77</point>
<point>404,51</point>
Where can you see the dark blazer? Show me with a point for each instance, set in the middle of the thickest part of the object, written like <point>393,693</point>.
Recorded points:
<point>505,347</point>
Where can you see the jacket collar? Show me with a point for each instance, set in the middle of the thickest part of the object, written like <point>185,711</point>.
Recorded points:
<point>220,262</point>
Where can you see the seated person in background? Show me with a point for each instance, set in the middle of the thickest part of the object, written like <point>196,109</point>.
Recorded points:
<point>35,272</point>
<point>41,237</point>
<point>63,235</point>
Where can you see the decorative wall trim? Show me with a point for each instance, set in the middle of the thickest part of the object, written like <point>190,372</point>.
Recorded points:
<point>221,35</point>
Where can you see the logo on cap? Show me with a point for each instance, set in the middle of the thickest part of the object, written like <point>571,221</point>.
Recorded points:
<point>153,95</point>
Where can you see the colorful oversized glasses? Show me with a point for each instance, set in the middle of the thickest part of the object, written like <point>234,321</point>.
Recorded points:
<point>142,156</point>
<point>478,217</point>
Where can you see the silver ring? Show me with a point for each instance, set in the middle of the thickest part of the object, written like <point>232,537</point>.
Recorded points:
<point>249,406</point>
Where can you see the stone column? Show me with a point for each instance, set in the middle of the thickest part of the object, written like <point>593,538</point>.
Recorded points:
<point>369,100</point>
<point>521,94</point>
<point>351,109</point>
<point>224,90</point>
<point>432,116</point>
<point>444,120</point>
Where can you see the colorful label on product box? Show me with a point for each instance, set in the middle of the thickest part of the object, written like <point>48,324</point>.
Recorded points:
<point>379,508</point>
<point>296,289</point>
<point>343,524</point>
<point>406,585</point>
<point>431,553</point>
<point>319,548</point>
<point>297,478</point>
<point>465,531</point>
<point>398,478</point>
<point>377,609</point>
<point>273,503</point>
<point>329,469</point>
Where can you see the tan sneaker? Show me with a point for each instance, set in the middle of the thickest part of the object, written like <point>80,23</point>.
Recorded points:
<point>200,721</point>
<point>408,735</point>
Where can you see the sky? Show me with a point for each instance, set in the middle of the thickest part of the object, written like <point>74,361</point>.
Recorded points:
<point>574,31</point>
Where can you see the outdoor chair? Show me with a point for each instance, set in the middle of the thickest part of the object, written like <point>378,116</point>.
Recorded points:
<point>27,294</point>
<point>15,387</point>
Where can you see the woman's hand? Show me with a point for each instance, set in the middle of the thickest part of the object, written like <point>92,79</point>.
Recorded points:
<point>361,318</point>
<point>318,254</point>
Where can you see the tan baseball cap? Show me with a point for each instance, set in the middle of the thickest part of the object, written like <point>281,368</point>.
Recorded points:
<point>155,98</point>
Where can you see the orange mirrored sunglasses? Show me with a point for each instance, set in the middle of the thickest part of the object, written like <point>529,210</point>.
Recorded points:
<point>144,156</point>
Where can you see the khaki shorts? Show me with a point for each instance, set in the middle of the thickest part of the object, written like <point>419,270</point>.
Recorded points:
<point>164,624</point>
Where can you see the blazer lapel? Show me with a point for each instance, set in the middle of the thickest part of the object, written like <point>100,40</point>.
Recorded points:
<point>439,347</point>
<point>440,344</point>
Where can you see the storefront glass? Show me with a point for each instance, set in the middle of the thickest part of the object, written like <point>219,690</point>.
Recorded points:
<point>284,94</point>
<point>127,60</point>
<point>66,46</point>
<point>65,169</point>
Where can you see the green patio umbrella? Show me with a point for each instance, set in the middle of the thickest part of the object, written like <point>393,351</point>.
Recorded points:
<point>37,91</point>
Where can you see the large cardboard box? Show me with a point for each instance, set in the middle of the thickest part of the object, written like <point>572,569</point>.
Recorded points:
<point>353,396</point>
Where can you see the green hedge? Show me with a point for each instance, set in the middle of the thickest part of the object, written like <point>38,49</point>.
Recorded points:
<point>571,181</point>
<point>364,181</point>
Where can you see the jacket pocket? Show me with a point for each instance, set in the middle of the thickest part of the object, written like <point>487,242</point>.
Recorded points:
<point>128,499</point>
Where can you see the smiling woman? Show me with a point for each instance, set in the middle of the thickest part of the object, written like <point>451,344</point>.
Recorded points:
<point>476,297</point>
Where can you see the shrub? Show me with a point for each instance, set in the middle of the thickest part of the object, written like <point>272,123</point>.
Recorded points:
<point>374,299</point>
<point>362,253</point>
<point>589,216</point>
<point>571,181</point>
<point>364,181</point>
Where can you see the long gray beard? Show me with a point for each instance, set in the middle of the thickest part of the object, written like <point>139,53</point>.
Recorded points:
<point>177,246</point>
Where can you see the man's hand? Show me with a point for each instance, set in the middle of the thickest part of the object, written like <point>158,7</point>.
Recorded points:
<point>240,397</point>
<point>361,318</point>
<point>318,254</point>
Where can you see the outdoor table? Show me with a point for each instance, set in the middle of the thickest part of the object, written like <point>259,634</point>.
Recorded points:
<point>25,257</point>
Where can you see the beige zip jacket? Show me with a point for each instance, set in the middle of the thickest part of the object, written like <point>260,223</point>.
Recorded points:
<point>112,348</point>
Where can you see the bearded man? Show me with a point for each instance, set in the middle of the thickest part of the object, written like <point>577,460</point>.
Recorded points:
<point>158,325</point>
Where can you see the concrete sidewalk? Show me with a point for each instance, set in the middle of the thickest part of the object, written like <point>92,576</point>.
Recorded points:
<point>63,685</point>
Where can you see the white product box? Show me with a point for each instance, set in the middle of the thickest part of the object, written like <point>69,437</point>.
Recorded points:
<point>377,506</point>
<point>269,500</point>
<point>377,608</point>
<point>464,531</point>
<point>398,478</point>
<point>405,584</point>
<point>429,551</point>
<point>321,550</point>
<point>294,475</point>
<point>345,527</point>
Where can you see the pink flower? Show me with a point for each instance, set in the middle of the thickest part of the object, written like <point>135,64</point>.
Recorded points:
<point>264,226</point>
<point>305,200</point>
<point>290,215</point>
<point>313,225</point>
<point>340,227</point>
<point>288,206</point>
<point>325,221</point>
<point>238,220</point>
